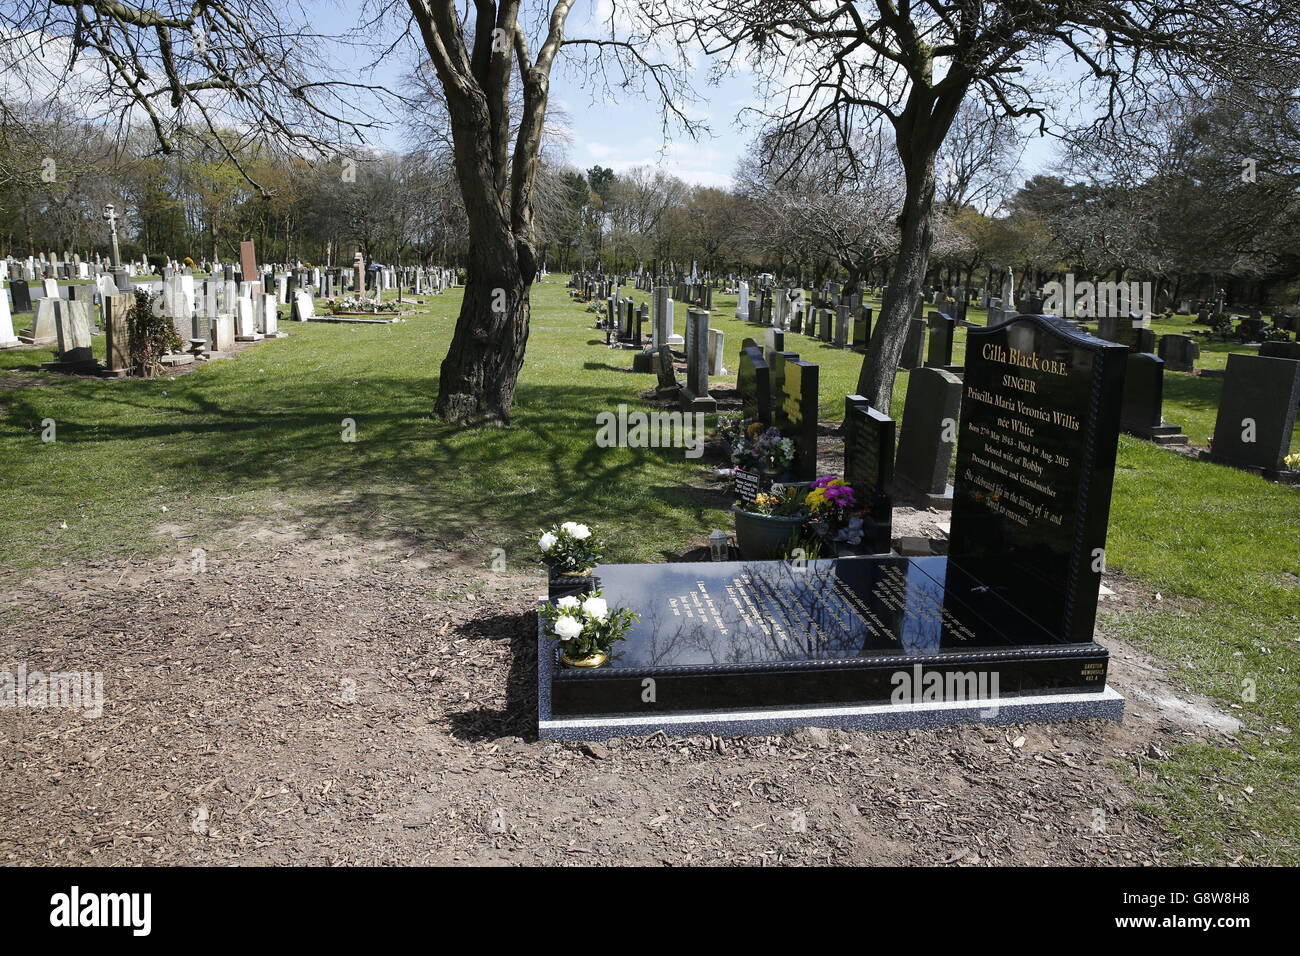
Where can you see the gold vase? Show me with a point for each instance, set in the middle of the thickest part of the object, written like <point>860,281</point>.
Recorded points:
<point>592,660</point>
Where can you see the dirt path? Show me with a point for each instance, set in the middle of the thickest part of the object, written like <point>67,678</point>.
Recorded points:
<point>345,702</point>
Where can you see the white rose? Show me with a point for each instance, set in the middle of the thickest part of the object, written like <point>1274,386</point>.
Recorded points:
<point>547,541</point>
<point>567,628</point>
<point>596,607</point>
<point>568,602</point>
<point>576,531</point>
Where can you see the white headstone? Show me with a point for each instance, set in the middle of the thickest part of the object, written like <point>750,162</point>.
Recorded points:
<point>245,326</point>
<point>7,337</point>
<point>304,307</point>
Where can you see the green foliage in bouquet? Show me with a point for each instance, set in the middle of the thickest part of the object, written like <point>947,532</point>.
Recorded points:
<point>570,547</point>
<point>586,626</point>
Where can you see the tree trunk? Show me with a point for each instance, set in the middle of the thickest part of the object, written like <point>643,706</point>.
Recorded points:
<point>876,380</point>
<point>477,384</point>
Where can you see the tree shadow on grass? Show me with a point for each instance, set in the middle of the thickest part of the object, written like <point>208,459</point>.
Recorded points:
<point>436,484</point>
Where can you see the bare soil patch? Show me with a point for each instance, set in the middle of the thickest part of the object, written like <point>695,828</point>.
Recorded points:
<point>339,701</point>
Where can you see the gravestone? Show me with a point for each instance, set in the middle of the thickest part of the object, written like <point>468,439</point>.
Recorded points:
<point>796,320</point>
<point>794,412</point>
<point>1140,413</point>
<point>304,307</point>
<point>76,348</point>
<point>248,260</point>
<point>21,291</point>
<point>270,316</point>
<point>1179,352</point>
<point>869,468</point>
<point>826,321</point>
<point>1127,330</point>
<point>913,349</point>
<point>695,395</point>
<point>1257,411</point>
<point>862,330</point>
<point>245,326</point>
<point>773,341</point>
<point>639,321</point>
<point>841,326</point>
<point>1286,350</point>
<point>942,328</point>
<point>667,373</point>
<point>717,342</point>
<point>1035,465</point>
<point>7,337</point>
<point>117,334</point>
<point>742,301</point>
<point>223,334</point>
<point>926,441</point>
<point>753,382</point>
<point>43,330</point>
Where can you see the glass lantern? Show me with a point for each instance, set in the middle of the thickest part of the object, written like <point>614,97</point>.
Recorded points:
<point>719,545</point>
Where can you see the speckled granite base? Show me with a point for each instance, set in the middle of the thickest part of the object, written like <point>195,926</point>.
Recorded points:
<point>1012,710</point>
<point>1042,708</point>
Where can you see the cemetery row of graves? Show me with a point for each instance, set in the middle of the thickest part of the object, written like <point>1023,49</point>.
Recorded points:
<point>1254,423</point>
<point>188,312</point>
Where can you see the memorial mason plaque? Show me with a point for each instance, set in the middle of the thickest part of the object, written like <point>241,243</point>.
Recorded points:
<point>1035,463</point>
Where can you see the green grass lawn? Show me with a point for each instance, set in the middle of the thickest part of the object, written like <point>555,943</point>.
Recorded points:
<point>260,435</point>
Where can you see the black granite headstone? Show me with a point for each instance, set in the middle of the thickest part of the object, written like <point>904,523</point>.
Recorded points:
<point>869,468</point>
<point>753,382</point>
<point>1257,412</point>
<point>1140,414</point>
<point>913,346</point>
<point>862,330</point>
<point>928,434</point>
<point>1179,352</point>
<point>942,329</point>
<point>1286,350</point>
<point>21,292</point>
<point>796,415</point>
<point>1035,464</point>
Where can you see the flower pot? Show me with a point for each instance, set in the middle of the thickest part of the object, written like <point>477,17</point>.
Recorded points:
<point>564,584</point>
<point>592,660</point>
<point>765,537</point>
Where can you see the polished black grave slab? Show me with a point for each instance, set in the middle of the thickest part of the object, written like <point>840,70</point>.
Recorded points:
<point>739,635</point>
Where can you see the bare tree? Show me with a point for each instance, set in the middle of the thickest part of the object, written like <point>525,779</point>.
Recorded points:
<point>231,71</point>
<point>850,64</point>
<point>842,213</point>
<point>475,58</point>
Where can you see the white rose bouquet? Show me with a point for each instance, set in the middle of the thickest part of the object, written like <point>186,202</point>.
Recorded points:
<point>586,627</point>
<point>570,548</point>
